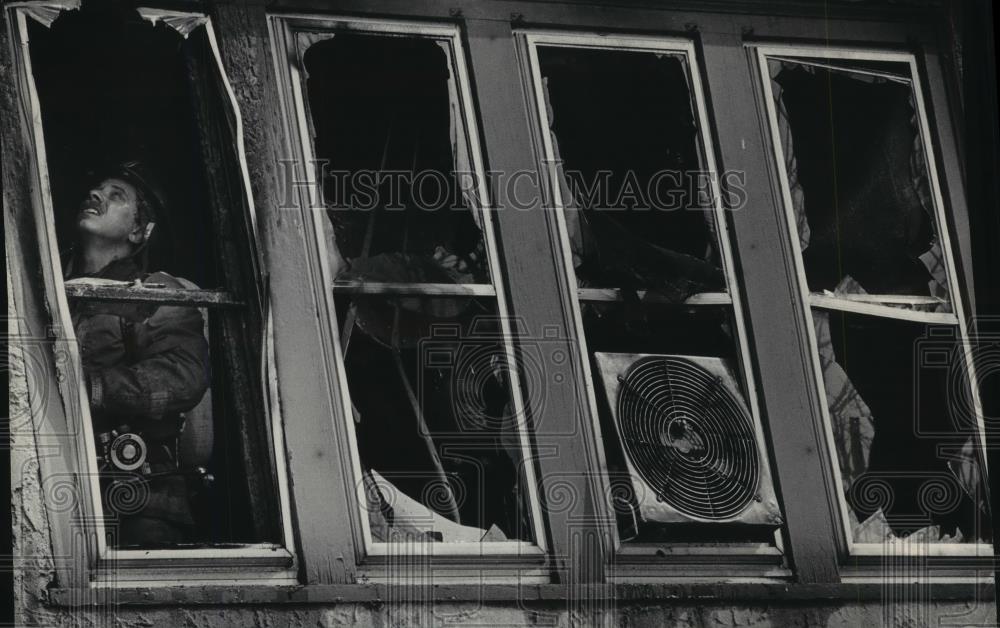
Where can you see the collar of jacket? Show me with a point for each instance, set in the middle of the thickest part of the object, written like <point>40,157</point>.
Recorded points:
<point>123,269</point>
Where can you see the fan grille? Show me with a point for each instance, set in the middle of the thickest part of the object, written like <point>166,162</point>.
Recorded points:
<point>688,437</point>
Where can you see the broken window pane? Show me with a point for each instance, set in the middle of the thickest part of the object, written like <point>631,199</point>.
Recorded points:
<point>685,455</point>
<point>859,182</point>
<point>897,384</point>
<point>438,430</point>
<point>638,206</point>
<point>391,135</point>
<point>907,446</point>
<point>434,396</point>
<point>175,393</point>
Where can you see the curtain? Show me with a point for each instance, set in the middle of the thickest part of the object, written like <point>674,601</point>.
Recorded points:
<point>465,175</point>
<point>581,245</point>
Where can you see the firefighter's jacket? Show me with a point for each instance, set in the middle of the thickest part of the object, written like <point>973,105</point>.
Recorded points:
<point>144,365</point>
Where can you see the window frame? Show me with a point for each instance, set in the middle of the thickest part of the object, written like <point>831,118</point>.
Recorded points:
<point>79,528</point>
<point>956,289</point>
<point>724,37</point>
<point>636,560</point>
<point>519,561</point>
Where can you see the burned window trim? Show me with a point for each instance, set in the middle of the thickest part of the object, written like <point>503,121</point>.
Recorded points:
<point>861,552</point>
<point>80,530</point>
<point>723,33</point>
<point>288,35</point>
<point>644,559</point>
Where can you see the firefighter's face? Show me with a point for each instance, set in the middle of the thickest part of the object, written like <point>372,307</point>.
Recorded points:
<point>110,212</point>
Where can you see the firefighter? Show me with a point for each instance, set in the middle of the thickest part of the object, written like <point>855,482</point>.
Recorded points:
<point>144,363</point>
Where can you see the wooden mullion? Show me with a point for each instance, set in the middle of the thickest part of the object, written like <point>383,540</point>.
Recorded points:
<point>567,454</point>
<point>325,503</point>
<point>915,36</point>
<point>951,174</point>
<point>790,398</point>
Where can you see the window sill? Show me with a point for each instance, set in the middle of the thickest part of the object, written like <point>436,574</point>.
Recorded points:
<point>757,593</point>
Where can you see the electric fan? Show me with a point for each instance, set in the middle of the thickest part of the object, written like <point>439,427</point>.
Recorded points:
<point>692,448</point>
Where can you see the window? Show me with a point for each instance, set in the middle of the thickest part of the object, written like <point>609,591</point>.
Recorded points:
<point>644,237</point>
<point>168,385</point>
<point>698,412</point>
<point>875,266</point>
<point>423,348</point>
<point>584,295</point>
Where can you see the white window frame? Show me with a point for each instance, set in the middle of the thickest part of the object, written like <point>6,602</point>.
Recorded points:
<point>284,29</point>
<point>256,563</point>
<point>766,559</point>
<point>809,54</point>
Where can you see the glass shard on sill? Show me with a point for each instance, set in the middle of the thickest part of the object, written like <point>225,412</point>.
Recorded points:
<point>395,517</point>
<point>904,441</point>
<point>438,432</point>
<point>876,530</point>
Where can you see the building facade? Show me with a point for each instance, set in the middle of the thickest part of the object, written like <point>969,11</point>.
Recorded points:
<point>515,313</point>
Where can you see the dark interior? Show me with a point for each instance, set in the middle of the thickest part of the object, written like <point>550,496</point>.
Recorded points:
<point>629,115</point>
<point>396,118</point>
<point>112,87</point>
<point>891,364</point>
<point>854,145</point>
<point>621,120</point>
<point>854,142</point>
<point>381,104</point>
